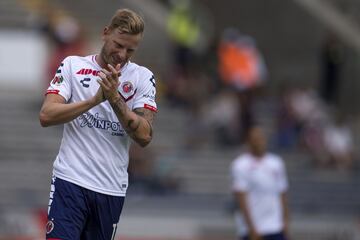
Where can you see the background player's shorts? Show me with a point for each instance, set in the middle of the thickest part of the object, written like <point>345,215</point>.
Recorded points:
<point>276,236</point>
<point>78,213</point>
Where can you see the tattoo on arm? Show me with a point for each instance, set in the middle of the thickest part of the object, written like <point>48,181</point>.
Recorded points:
<point>145,113</point>
<point>131,127</point>
<point>151,129</point>
<point>119,106</point>
<point>139,112</point>
<point>148,116</point>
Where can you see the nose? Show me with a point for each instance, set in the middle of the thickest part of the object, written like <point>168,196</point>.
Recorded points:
<point>122,54</point>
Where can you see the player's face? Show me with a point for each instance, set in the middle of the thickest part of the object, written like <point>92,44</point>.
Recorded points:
<point>118,46</point>
<point>257,141</point>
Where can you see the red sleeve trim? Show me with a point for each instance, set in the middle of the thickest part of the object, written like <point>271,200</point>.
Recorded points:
<point>52,92</point>
<point>152,108</point>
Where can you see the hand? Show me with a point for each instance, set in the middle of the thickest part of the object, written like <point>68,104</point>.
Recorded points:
<point>109,82</point>
<point>286,233</point>
<point>253,235</point>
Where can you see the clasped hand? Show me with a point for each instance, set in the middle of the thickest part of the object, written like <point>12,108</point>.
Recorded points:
<point>109,82</point>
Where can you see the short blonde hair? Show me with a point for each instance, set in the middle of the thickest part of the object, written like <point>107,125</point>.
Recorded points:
<point>127,21</point>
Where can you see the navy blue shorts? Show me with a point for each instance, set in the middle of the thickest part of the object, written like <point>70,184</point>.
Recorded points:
<point>276,236</point>
<point>76,213</point>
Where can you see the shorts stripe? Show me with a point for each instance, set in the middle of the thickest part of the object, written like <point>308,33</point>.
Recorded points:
<point>52,191</point>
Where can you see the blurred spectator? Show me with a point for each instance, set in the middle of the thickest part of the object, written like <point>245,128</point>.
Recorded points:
<point>338,141</point>
<point>259,184</point>
<point>65,34</point>
<point>288,128</point>
<point>332,61</point>
<point>67,38</point>
<point>242,67</point>
<point>189,28</point>
<point>307,106</point>
<point>308,116</point>
<point>223,116</point>
<point>311,116</point>
<point>305,118</point>
<point>184,31</point>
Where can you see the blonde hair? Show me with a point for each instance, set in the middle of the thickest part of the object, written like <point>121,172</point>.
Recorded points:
<point>127,21</point>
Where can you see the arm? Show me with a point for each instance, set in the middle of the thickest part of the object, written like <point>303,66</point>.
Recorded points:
<point>55,111</point>
<point>137,123</point>
<point>242,203</point>
<point>285,207</point>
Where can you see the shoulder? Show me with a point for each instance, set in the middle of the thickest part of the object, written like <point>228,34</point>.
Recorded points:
<point>78,59</point>
<point>140,71</point>
<point>241,162</point>
<point>80,65</point>
<point>275,159</point>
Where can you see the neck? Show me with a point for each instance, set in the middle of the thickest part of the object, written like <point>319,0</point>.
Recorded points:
<point>100,60</point>
<point>258,154</point>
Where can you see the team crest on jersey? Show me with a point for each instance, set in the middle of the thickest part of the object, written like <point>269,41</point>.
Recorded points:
<point>49,226</point>
<point>127,90</point>
<point>57,80</point>
<point>127,87</point>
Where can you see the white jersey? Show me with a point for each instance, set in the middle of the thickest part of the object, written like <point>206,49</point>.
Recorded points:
<point>94,151</point>
<point>263,180</point>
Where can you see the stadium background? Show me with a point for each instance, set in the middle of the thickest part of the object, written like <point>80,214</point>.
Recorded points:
<point>181,191</point>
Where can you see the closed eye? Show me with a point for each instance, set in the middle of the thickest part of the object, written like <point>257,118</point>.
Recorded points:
<point>118,45</point>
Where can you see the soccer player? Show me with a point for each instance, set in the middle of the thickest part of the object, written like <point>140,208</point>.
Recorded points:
<point>104,101</point>
<point>260,184</point>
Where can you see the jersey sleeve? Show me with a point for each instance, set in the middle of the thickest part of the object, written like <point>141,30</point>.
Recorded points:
<point>145,97</point>
<point>61,83</point>
<point>239,180</point>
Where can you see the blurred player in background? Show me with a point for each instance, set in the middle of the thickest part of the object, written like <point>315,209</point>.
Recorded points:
<point>260,184</point>
<point>104,102</point>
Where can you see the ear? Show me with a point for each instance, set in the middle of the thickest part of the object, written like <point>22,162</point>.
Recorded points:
<point>105,32</point>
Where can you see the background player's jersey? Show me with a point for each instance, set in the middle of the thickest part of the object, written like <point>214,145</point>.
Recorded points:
<point>94,148</point>
<point>263,181</point>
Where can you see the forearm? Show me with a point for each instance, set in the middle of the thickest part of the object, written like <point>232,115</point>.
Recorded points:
<point>248,219</point>
<point>54,113</point>
<point>241,198</point>
<point>285,207</point>
<point>135,125</point>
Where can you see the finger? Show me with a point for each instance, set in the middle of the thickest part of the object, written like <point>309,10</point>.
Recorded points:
<point>115,72</point>
<point>106,72</point>
<point>109,75</point>
<point>102,85</point>
<point>104,79</point>
<point>118,68</point>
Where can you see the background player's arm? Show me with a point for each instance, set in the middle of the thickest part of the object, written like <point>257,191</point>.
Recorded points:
<point>56,111</point>
<point>241,200</point>
<point>285,207</point>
